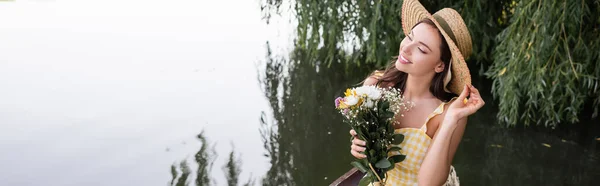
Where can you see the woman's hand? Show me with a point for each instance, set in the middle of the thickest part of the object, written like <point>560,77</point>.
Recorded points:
<point>357,146</point>
<point>460,109</point>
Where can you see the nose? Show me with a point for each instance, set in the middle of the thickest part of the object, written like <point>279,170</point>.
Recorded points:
<point>406,48</point>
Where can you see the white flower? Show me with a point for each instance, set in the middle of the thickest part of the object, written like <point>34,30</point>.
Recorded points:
<point>361,90</point>
<point>351,100</point>
<point>372,92</point>
<point>369,103</point>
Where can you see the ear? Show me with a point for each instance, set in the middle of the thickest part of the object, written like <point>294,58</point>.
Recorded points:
<point>440,67</point>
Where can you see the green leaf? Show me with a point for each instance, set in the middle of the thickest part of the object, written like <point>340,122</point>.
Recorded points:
<point>385,105</point>
<point>398,138</point>
<point>379,104</point>
<point>386,114</point>
<point>397,158</point>
<point>383,164</point>
<point>366,180</point>
<point>393,149</point>
<point>372,153</point>
<point>359,166</point>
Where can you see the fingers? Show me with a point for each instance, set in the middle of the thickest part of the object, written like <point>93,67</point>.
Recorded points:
<point>475,94</point>
<point>476,102</point>
<point>357,155</point>
<point>357,147</point>
<point>356,141</point>
<point>352,132</point>
<point>473,89</point>
<point>464,93</point>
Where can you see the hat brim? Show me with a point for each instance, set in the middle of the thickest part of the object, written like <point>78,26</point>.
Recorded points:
<point>412,13</point>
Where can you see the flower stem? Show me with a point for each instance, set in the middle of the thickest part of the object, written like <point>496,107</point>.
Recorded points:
<point>380,181</point>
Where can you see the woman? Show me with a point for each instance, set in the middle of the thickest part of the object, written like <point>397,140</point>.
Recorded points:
<point>430,71</point>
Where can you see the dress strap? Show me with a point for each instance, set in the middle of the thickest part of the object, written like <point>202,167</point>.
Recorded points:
<point>378,74</point>
<point>439,110</point>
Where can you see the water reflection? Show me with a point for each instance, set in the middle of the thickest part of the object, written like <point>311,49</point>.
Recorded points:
<point>204,160</point>
<point>308,144</point>
<point>305,140</point>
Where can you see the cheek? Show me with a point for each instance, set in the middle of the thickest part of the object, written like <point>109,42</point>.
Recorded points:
<point>420,58</point>
<point>425,61</point>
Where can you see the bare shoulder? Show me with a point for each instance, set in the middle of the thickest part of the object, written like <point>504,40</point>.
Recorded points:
<point>373,78</point>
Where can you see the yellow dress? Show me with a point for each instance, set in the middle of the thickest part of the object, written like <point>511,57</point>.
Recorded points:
<point>415,144</point>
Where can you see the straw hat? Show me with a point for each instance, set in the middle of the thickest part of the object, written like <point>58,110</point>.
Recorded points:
<point>456,34</point>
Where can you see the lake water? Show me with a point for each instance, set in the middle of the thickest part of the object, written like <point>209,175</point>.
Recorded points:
<point>115,93</point>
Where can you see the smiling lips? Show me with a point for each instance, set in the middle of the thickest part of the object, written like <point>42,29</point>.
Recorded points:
<point>403,60</point>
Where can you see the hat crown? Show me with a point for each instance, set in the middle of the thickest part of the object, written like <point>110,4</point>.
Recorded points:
<point>457,28</point>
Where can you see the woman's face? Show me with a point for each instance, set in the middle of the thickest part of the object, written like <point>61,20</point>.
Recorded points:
<point>420,52</point>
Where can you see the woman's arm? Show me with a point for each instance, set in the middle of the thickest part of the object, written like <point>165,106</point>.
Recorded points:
<point>436,164</point>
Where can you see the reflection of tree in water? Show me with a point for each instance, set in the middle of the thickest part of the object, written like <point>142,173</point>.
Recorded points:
<point>185,174</point>
<point>205,158</point>
<point>306,140</point>
<point>232,168</point>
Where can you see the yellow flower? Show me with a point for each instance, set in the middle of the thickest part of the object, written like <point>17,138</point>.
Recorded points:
<point>350,92</point>
<point>342,105</point>
<point>360,101</point>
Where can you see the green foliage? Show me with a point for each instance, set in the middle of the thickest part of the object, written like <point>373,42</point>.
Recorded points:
<point>368,179</point>
<point>359,166</point>
<point>359,31</point>
<point>397,158</point>
<point>383,163</point>
<point>398,138</point>
<point>370,31</point>
<point>545,65</point>
<point>541,55</point>
<point>376,129</point>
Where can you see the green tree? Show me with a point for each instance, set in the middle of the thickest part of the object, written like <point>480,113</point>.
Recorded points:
<point>545,65</point>
<point>540,55</point>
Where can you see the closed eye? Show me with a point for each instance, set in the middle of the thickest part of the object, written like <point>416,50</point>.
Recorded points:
<point>422,50</point>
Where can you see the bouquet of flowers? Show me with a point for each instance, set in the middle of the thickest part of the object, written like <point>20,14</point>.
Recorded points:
<point>370,111</point>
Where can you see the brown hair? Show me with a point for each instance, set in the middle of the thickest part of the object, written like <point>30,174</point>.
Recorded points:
<point>392,77</point>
